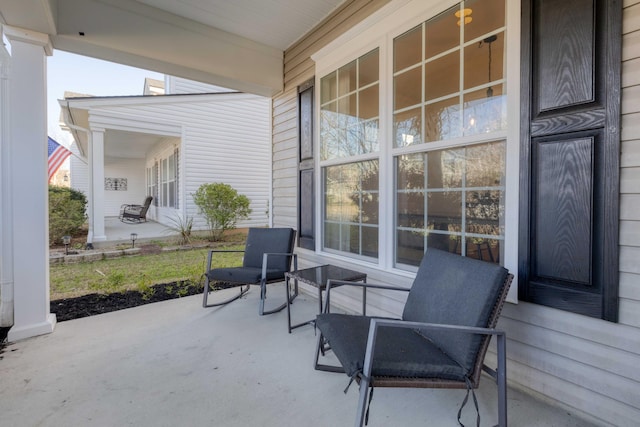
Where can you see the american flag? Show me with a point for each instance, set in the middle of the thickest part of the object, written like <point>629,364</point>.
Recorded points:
<point>57,155</point>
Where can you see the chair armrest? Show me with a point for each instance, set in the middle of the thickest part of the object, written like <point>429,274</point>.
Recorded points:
<point>377,323</point>
<point>265,260</point>
<point>212,251</point>
<point>335,283</point>
<point>393,323</point>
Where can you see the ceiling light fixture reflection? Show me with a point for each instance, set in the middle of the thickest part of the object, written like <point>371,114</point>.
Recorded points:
<point>464,13</point>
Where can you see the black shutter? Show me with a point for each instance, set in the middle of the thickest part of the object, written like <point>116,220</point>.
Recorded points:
<point>306,188</point>
<point>570,147</point>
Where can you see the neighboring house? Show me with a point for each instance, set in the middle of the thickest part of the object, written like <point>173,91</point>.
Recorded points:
<point>166,146</point>
<point>515,137</point>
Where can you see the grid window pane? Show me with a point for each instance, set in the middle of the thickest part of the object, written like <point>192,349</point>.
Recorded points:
<point>347,81</point>
<point>410,172</point>
<point>368,69</point>
<point>487,15</point>
<point>368,100</point>
<point>453,199</point>
<point>450,67</point>
<point>442,76</point>
<point>349,111</point>
<point>407,49</point>
<point>407,127</point>
<point>445,168</point>
<point>442,120</point>
<point>410,208</point>
<point>409,247</point>
<point>351,206</point>
<point>329,87</point>
<point>484,62</point>
<point>405,84</point>
<point>442,33</point>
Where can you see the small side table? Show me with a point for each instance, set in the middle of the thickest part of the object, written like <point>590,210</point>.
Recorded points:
<point>318,277</point>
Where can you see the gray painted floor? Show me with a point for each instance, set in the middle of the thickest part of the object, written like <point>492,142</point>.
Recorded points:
<point>176,364</point>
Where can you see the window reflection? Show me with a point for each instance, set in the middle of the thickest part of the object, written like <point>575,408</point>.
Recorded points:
<point>459,86</point>
<point>451,199</point>
<point>352,207</point>
<point>349,110</point>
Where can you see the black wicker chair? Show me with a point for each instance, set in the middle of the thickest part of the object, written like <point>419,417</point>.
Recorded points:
<point>135,213</point>
<point>267,257</point>
<point>440,342</point>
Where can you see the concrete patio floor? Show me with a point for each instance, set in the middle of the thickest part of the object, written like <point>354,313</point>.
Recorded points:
<point>176,364</point>
<point>120,232</point>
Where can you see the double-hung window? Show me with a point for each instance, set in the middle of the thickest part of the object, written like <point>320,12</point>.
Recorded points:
<point>449,118</point>
<point>420,122</point>
<point>349,124</point>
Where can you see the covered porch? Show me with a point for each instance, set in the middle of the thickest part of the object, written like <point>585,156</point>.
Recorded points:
<point>175,363</point>
<point>120,232</point>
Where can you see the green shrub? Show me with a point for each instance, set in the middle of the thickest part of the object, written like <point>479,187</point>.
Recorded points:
<point>221,206</point>
<point>66,212</point>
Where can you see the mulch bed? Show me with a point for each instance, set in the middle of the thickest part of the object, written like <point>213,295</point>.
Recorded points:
<point>92,304</point>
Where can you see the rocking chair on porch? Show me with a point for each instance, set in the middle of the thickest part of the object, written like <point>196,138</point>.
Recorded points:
<point>268,255</point>
<point>440,342</point>
<point>135,213</point>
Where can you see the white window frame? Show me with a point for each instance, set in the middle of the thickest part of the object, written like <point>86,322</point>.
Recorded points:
<point>379,30</point>
<point>337,161</point>
<point>161,160</point>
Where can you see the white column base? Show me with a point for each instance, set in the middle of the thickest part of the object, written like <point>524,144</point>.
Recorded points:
<point>33,330</point>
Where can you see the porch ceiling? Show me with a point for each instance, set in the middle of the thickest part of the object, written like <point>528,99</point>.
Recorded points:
<point>236,44</point>
<point>118,143</point>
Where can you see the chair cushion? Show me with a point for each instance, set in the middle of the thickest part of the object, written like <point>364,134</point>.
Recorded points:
<point>399,352</point>
<point>451,289</point>
<point>242,274</point>
<point>264,240</point>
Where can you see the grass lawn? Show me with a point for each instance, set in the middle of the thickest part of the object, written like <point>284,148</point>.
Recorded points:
<point>137,272</point>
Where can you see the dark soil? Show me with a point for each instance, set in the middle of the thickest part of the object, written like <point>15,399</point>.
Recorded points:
<point>92,304</point>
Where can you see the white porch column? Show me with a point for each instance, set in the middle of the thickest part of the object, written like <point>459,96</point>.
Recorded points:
<point>6,214</point>
<point>96,185</point>
<point>29,177</point>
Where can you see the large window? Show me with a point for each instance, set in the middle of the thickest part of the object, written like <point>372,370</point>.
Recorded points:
<point>449,103</point>
<point>349,125</point>
<point>419,144</point>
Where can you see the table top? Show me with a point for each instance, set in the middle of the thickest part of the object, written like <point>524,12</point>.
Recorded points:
<point>318,276</point>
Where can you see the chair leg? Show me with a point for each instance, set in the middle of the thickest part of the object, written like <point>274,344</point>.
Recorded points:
<point>207,289</point>
<point>502,380</point>
<point>362,402</point>
<point>263,297</point>
<point>320,348</point>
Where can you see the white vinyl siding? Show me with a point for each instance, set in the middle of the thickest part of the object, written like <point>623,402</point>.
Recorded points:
<point>133,171</point>
<point>78,171</point>
<point>180,86</point>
